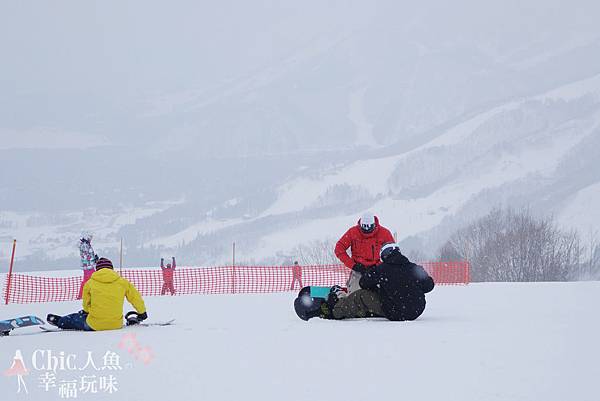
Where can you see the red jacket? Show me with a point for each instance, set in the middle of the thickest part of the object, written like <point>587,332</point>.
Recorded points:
<point>364,247</point>
<point>167,272</point>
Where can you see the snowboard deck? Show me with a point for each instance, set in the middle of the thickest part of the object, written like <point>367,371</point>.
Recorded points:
<point>6,326</point>
<point>55,329</point>
<point>319,291</point>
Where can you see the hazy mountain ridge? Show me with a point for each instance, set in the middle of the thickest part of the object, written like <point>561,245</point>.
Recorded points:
<point>522,153</point>
<point>514,155</point>
<point>536,143</point>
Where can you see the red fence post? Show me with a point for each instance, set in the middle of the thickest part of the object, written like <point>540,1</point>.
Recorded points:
<point>233,268</point>
<point>233,278</point>
<point>8,279</point>
<point>468,267</point>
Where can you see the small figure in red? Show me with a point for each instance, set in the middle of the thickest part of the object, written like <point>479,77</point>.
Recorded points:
<point>167,273</point>
<point>296,275</point>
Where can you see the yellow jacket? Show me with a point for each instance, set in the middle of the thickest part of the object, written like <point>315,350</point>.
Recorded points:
<point>103,297</point>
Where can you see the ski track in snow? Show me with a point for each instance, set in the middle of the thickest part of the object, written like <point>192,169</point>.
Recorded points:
<point>357,115</point>
<point>500,341</point>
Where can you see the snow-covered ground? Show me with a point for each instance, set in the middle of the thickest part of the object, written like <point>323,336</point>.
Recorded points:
<point>478,342</point>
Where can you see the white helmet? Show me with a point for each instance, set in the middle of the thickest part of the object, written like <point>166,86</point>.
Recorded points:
<point>367,223</point>
<point>387,249</point>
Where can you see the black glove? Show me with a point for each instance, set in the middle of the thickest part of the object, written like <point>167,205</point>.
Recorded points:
<point>96,258</point>
<point>135,318</point>
<point>359,268</point>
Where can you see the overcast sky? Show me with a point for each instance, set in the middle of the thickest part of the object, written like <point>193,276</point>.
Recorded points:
<point>64,59</point>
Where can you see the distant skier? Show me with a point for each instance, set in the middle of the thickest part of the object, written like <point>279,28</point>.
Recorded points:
<point>364,240</point>
<point>394,289</point>
<point>103,298</point>
<point>88,259</point>
<point>167,273</point>
<point>296,275</point>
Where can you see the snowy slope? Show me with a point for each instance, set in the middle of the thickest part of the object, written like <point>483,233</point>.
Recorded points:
<point>582,211</point>
<point>504,342</point>
<point>416,190</point>
<point>519,153</point>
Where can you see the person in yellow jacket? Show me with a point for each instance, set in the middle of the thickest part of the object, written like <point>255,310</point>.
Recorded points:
<point>103,298</point>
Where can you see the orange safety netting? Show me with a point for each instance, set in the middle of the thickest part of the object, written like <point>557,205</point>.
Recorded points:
<point>212,280</point>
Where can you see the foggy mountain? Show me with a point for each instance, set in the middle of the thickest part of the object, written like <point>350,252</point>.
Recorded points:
<point>184,128</point>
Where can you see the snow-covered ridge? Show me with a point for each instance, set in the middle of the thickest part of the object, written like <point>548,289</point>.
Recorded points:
<point>486,152</point>
<point>463,148</point>
<point>372,175</point>
<point>468,166</point>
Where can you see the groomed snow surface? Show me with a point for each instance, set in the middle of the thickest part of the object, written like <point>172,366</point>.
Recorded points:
<point>478,342</point>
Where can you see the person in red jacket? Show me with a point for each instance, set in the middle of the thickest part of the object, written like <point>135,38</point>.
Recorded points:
<point>364,240</point>
<point>167,273</point>
<point>296,275</point>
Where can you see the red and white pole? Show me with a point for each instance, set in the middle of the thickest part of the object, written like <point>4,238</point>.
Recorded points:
<point>121,258</point>
<point>233,269</point>
<point>8,279</point>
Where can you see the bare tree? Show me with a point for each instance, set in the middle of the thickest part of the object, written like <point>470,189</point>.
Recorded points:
<point>590,266</point>
<point>318,252</point>
<point>506,245</point>
<point>322,253</point>
<point>415,255</point>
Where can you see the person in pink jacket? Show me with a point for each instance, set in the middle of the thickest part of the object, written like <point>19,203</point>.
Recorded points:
<point>88,259</point>
<point>296,275</point>
<point>167,273</point>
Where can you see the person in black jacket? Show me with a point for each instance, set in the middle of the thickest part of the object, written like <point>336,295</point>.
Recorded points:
<point>400,284</point>
<point>394,289</point>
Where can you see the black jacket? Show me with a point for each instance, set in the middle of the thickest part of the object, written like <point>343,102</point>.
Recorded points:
<point>401,286</point>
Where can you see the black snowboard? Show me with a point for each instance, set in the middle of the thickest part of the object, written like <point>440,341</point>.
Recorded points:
<point>6,326</point>
<point>308,303</point>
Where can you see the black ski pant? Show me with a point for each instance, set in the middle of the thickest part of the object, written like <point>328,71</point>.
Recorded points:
<point>359,304</point>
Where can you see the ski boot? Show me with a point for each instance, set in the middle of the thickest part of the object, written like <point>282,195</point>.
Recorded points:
<point>53,319</point>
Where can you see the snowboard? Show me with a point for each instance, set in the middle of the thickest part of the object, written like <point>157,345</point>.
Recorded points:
<point>6,326</point>
<point>150,324</point>
<point>308,303</point>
